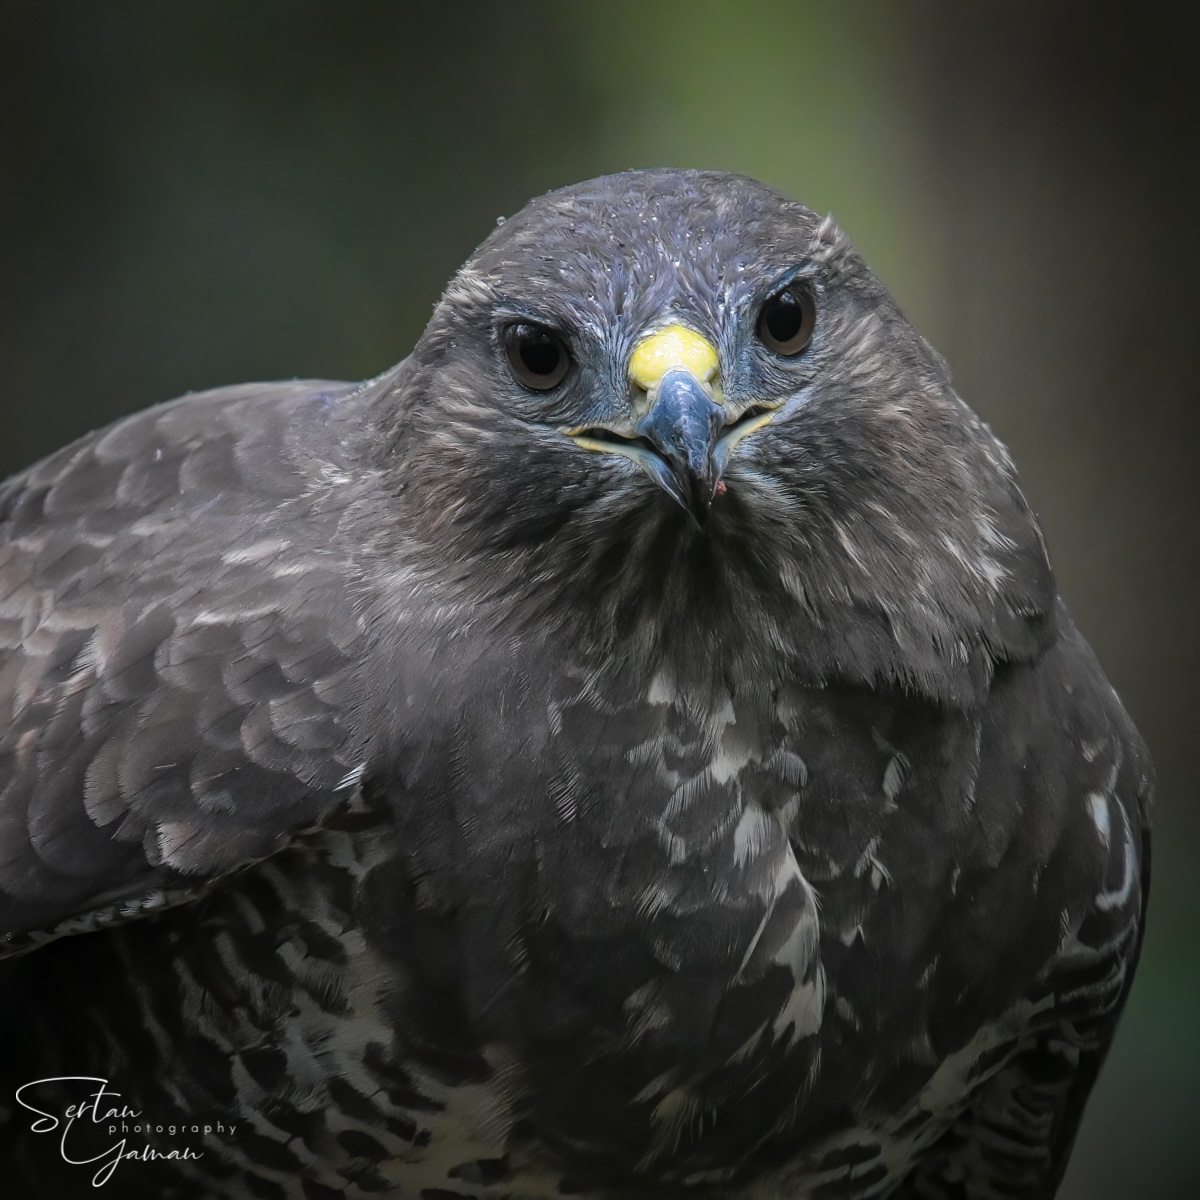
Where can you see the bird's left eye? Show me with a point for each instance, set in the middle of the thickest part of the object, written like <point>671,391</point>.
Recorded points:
<point>536,356</point>
<point>786,322</point>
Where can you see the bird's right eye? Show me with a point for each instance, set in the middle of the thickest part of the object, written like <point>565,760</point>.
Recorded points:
<point>536,356</point>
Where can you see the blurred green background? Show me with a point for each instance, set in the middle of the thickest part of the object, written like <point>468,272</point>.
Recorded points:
<point>196,193</point>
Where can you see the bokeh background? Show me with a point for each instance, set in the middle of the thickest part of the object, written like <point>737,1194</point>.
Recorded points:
<point>208,191</point>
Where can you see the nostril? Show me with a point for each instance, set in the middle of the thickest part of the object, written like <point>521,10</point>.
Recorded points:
<point>639,400</point>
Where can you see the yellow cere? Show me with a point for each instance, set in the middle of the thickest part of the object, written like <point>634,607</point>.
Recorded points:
<point>675,346</point>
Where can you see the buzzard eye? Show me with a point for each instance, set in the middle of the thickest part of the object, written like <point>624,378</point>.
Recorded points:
<point>536,356</point>
<point>786,322</point>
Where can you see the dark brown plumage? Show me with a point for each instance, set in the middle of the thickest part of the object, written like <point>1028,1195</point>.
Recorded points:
<point>487,781</point>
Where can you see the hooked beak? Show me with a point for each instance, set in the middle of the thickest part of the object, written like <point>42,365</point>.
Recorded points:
<point>682,428</point>
<point>684,438</point>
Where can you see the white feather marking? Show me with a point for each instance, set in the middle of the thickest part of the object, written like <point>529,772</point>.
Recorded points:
<point>257,552</point>
<point>733,752</point>
<point>893,776</point>
<point>351,779</point>
<point>1119,896</point>
<point>756,832</point>
<point>662,690</point>
<point>1098,803</point>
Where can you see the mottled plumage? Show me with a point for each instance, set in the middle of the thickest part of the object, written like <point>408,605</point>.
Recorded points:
<point>459,817</point>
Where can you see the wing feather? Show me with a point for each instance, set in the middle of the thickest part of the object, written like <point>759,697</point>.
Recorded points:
<point>1015,1136</point>
<point>177,644</point>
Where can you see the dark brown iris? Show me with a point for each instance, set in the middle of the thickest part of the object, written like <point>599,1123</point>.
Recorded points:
<point>786,322</point>
<point>536,356</point>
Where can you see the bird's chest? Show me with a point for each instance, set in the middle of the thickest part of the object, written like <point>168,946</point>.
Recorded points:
<point>620,888</point>
<point>587,935</point>
<point>617,834</point>
<point>657,813</point>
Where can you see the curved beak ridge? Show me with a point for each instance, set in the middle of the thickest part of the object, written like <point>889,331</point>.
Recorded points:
<point>683,426</point>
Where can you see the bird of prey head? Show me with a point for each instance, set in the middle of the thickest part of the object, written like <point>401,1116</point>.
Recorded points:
<point>678,402</point>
